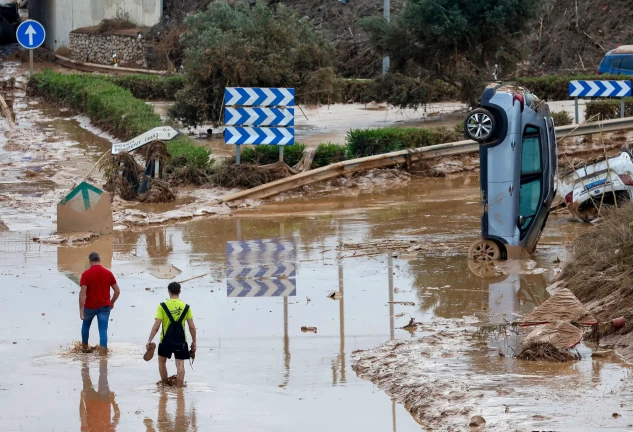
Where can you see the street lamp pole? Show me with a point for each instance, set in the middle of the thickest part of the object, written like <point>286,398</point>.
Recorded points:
<point>387,15</point>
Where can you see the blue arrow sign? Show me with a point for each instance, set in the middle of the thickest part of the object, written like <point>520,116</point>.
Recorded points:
<point>259,117</point>
<point>30,34</point>
<point>584,88</point>
<point>266,97</point>
<point>255,135</point>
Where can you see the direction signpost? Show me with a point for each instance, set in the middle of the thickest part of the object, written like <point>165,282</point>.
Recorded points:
<point>161,133</point>
<point>584,88</point>
<point>31,35</point>
<point>250,111</point>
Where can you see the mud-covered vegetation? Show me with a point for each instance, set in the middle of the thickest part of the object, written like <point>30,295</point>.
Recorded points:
<point>113,109</point>
<point>607,109</point>
<point>276,49</point>
<point>460,42</point>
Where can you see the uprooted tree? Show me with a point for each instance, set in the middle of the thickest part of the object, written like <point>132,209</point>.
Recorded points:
<point>456,41</point>
<point>241,46</point>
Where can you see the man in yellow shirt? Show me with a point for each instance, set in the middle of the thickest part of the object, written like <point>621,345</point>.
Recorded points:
<point>172,314</point>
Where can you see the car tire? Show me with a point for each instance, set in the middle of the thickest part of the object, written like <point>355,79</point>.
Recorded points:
<point>480,125</point>
<point>484,250</point>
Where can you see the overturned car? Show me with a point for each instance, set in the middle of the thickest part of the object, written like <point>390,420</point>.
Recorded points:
<point>599,183</point>
<point>518,170</point>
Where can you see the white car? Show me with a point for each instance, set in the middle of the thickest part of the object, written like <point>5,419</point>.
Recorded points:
<point>603,183</point>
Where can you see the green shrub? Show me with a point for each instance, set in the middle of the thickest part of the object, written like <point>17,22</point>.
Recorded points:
<point>113,109</point>
<point>556,87</point>
<point>368,142</point>
<point>562,118</point>
<point>328,153</point>
<point>267,154</point>
<point>607,109</point>
<point>150,87</point>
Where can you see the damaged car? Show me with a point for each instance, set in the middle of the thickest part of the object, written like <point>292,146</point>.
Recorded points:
<point>598,183</point>
<point>518,170</point>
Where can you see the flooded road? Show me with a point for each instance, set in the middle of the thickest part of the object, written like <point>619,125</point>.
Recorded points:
<point>255,368</point>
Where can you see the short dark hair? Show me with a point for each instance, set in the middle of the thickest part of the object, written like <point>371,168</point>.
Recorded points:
<point>94,257</point>
<point>174,288</point>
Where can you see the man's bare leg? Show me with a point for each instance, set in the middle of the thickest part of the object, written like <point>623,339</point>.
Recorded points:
<point>180,372</point>
<point>162,368</point>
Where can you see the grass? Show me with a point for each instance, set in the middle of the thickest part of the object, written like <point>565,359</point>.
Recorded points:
<point>114,109</point>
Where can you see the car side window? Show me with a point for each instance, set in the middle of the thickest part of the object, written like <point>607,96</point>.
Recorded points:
<point>531,175</point>
<point>528,203</point>
<point>614,63</point>
<point>627,63</point>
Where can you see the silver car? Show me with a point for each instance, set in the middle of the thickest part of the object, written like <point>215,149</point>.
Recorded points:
<point>519,167</point>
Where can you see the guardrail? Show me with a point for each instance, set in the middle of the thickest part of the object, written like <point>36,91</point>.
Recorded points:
<point>404,156</point>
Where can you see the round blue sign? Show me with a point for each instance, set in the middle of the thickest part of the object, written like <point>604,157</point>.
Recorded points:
<point>30,34</point>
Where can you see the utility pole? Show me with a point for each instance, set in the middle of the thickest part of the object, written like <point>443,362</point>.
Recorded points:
<point>387,15</point>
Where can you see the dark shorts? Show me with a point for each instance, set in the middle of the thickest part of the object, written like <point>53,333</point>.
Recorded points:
<point>180,352</point>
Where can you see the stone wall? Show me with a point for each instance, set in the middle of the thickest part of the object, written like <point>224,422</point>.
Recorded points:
<point>98,48</point>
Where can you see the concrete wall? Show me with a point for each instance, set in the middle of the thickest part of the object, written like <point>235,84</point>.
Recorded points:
<point>60,17</point>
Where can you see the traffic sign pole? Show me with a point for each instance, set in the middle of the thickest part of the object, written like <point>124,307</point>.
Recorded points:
<point>576,106</point>
<point>237,154</point>
<point>31,35</point>
<point>622,107</point>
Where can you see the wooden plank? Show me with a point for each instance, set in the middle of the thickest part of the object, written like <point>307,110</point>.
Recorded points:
<point>91,66</point>
<point>6,112</point>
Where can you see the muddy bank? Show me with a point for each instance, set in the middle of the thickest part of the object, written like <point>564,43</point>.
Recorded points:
<point>449,375</point>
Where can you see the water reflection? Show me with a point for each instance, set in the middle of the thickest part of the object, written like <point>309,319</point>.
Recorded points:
<point>96,406</point>
<point>73,260</point>
<point>180,421</point>
<point>451,288</point>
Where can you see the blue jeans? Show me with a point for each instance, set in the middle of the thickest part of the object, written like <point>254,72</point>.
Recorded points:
<point>103,316</point>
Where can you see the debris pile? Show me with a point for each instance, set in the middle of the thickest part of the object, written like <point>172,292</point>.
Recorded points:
<point>551,342</point>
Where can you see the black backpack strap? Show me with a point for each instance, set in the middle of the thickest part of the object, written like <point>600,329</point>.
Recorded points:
<point>183,314</point>
<point>171,318</point>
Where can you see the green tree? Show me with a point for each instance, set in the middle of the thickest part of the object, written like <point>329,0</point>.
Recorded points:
<point>241,46</point>
<point>457,41</point>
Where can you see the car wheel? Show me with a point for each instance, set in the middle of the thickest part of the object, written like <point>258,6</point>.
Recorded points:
<point>480,125</point>
<point>484,250</point>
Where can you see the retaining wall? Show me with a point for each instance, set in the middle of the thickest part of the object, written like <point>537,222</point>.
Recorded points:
<point>98,48</point>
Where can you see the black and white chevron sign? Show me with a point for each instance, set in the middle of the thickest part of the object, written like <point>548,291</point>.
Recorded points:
<point>261,268</point>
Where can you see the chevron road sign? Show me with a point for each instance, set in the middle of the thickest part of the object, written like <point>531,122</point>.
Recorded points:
<point>582,88</point>
<point>248,135</point>
<point>261,288</point>
<point>259,117</point>
<point>252,113</point>
<point>246,96</point>
<point>261,268</point>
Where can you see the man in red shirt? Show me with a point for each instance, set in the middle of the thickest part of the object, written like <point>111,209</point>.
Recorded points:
<point>94,299</point>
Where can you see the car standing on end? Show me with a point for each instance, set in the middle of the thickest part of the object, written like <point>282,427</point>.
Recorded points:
<point>518,170</point>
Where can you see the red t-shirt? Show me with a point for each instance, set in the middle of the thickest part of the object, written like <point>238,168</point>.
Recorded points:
<point>98,279</point>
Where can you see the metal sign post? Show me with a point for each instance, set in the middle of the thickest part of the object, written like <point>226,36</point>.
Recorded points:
<point>31,35</point>
<point>255,122</point>
<point>584,88</point>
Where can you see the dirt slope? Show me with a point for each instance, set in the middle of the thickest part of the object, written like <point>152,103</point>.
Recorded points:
<point>573,35</point>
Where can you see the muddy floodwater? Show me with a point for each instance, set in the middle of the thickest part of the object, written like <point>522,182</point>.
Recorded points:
<point>255,368</point>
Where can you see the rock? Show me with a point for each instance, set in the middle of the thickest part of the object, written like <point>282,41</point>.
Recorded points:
<point>308,329</point>
<point>476,421</point>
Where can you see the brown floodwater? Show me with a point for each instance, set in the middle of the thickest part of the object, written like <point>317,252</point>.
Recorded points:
<point>255,369</point>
